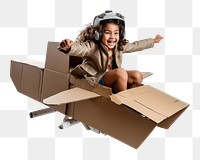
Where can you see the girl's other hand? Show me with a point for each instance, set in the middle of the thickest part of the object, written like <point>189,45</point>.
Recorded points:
<point>158,38</point>
<point>65,45</point>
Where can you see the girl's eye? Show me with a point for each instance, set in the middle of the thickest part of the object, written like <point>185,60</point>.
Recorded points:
<point>107,32</point>
<point>116,33</point>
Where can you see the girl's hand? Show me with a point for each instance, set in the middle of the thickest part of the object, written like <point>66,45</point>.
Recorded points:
<point>157,38</point>
<point>65,45</point>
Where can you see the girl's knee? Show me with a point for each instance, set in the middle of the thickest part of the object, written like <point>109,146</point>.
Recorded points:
<point>138,77</point>
<point>135,77</point>
<point>121,74</point>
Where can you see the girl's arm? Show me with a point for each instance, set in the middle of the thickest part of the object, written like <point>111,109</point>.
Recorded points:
<point>142,44</point>
<point>77,49</point>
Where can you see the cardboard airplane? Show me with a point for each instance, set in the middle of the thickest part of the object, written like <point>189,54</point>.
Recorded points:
<point>129,116</point>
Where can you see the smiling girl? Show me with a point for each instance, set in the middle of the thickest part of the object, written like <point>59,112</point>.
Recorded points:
<point>101,46</point>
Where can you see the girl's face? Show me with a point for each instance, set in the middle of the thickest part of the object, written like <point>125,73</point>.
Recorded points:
<point>110,35</point>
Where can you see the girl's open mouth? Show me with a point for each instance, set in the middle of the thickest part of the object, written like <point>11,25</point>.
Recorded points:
<point>111,43</point>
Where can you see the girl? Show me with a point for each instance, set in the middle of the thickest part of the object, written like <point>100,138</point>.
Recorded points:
<point>101,46</point>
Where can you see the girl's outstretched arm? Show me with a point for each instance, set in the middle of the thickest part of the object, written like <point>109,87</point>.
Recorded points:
<point>79,49</point>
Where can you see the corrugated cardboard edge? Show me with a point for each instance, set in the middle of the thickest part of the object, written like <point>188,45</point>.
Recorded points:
<point>38,64</point>
<point>16,74</point>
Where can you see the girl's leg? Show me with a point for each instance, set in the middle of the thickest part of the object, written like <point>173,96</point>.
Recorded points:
<point>134,79</point>
<point>116,79</point>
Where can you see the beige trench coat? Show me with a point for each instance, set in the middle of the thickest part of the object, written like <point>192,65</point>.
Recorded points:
<point>95,57</point>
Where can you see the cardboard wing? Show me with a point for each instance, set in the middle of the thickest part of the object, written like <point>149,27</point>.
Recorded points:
<point>27,77</point>
<point>151,102</point>
<point>69,96</point>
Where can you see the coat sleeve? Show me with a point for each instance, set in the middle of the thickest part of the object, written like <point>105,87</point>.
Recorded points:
<point>82,49</point>
<point>138,45</point>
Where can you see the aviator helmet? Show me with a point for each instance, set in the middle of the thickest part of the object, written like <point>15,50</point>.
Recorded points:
<point>108,15</point>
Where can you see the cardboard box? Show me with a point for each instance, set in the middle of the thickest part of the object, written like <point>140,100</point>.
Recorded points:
<point>129,116</point>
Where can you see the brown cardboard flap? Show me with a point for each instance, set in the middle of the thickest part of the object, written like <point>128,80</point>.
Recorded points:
<point>69,96</point>
<point>148,112</point>
<point>150,102</point>
<point>146,74</point>
<point>27,77</point>
<point>56,60</point>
